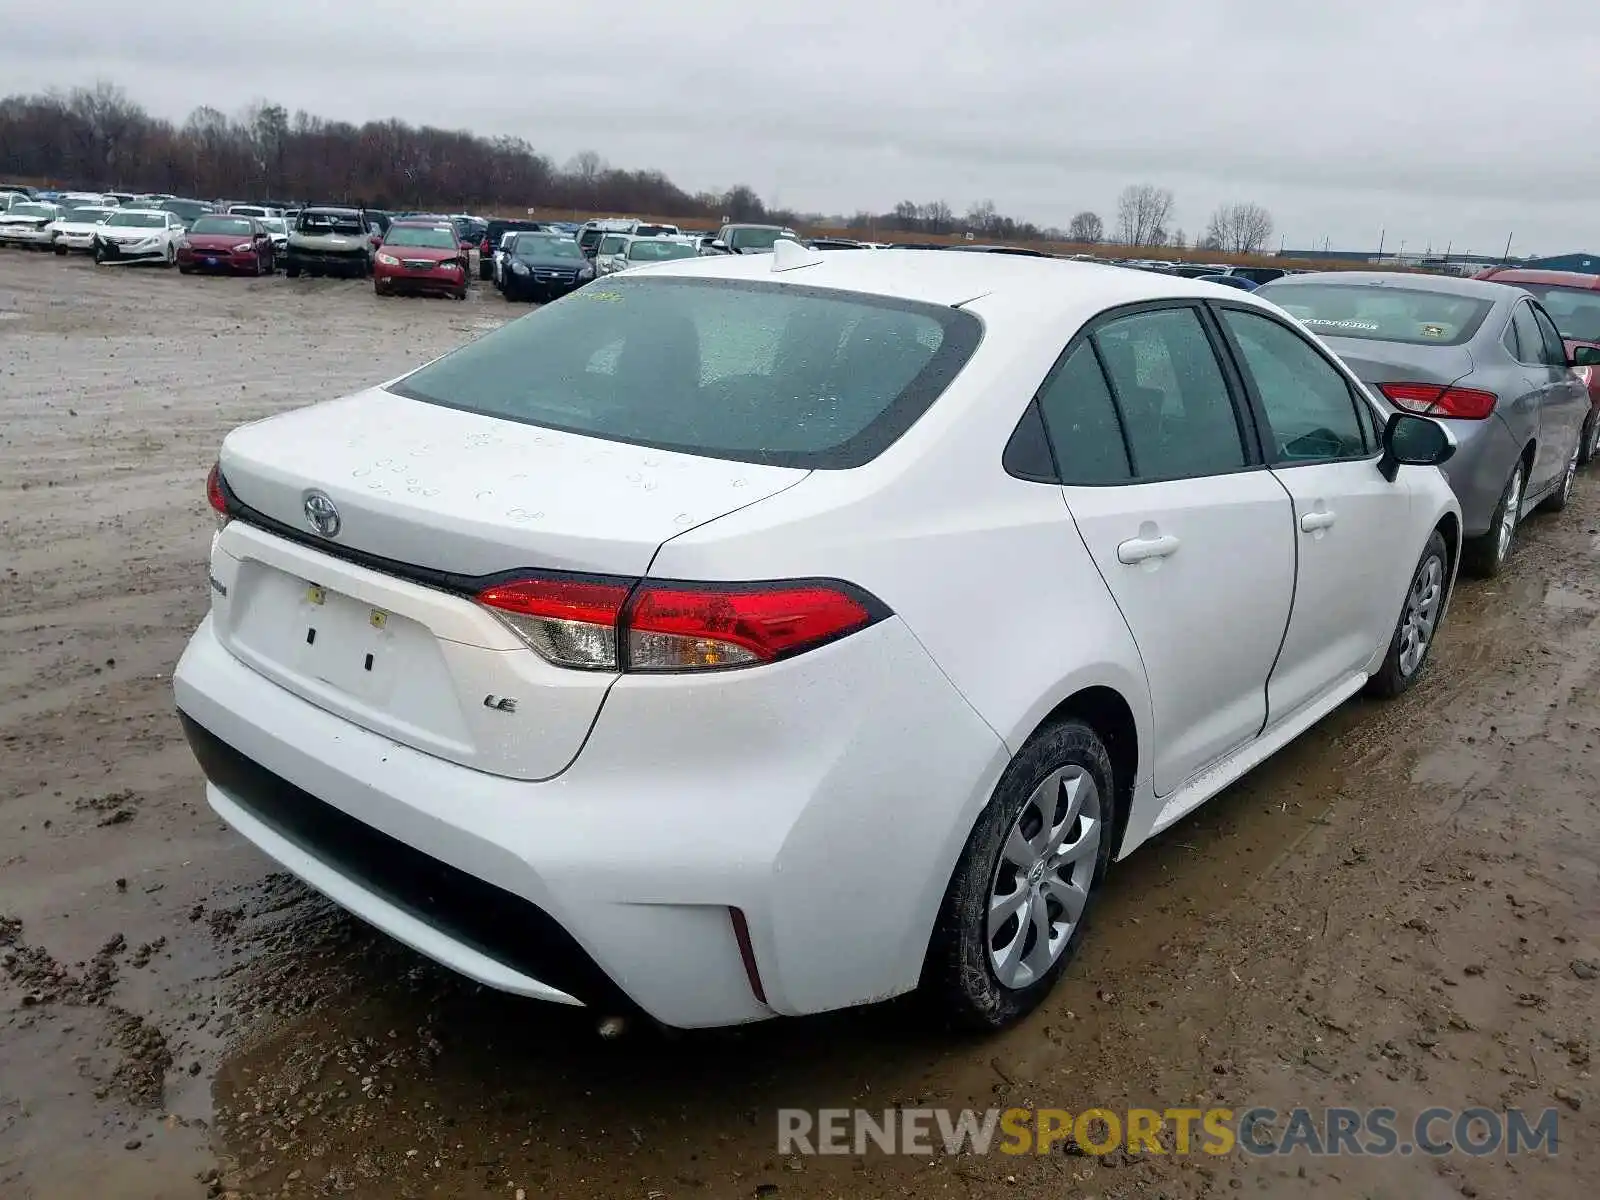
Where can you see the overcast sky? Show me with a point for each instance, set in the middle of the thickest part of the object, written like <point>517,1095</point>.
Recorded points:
<point>1439,121</point>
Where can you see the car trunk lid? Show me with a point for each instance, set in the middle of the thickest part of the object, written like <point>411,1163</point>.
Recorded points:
<point>377,624</point>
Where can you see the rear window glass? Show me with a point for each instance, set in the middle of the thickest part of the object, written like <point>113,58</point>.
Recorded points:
<point>759,372</point>
<point>1380,313</point>
<point>1576,311</point>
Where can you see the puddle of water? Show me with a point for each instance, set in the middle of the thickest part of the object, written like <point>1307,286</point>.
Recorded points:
<point>1568,599</point>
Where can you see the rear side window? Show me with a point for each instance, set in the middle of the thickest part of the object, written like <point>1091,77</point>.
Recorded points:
<point>1530,338</point>
<point>1170,391</point>
<point>1381,313</point>
<point>754,371</point>
<point>1555,351</point>
<point>1081,419</point>
<point>1307,403</point>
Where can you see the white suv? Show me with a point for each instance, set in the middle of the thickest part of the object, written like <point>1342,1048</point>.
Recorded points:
<point>767,635</point>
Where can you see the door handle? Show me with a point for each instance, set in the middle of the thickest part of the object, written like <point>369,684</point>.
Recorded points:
<point>1321,519</point>
<point>1143,549</point>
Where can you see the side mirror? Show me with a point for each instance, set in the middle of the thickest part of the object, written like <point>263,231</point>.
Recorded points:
<point>1586,356</point>
<point>1413,441</point>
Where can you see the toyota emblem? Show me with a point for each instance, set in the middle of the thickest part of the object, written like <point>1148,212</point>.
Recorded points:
<point>322,514</point>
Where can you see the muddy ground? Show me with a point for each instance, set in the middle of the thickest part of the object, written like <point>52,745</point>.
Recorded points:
<point>1400,910</point>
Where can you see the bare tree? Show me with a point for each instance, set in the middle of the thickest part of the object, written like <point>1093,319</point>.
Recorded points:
<point>981,217</point>
<point>1143,210</point>
<point>586,167</point>
<point>1240,228</point>
<point>907,215</point>
<point>1086,227</point>
<point>937,217</point>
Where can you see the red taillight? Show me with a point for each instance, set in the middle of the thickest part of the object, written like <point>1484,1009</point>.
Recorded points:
<point>672,628</point>
<point>614,625</point>
<point>484,248</point>
<point>214,493</point>
<point>1434,400</point>
<point>570,622</point>
<point>1586,374</point>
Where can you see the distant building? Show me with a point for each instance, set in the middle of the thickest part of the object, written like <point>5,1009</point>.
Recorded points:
<point>1587,264</point>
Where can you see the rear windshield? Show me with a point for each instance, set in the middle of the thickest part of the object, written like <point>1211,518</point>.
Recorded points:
<point>240,225</point>
<point>1380,313</point>
<point>755,371</point>
<point>654,230</point>
<point>1576,311</point>
<point>612,242</point>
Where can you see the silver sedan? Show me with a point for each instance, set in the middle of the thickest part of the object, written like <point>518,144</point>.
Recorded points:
<point>1486,358</point>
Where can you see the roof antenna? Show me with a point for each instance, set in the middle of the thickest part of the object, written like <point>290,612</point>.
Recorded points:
<point>790,255</point>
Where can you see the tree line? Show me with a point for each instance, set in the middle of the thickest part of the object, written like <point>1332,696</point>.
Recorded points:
<point>98,137</point>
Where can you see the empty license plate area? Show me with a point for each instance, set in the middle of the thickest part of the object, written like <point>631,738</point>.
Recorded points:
<point>377,667</point>
<point>347,643</point>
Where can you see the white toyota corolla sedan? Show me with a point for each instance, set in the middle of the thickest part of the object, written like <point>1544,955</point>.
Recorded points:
<point>762,635</point>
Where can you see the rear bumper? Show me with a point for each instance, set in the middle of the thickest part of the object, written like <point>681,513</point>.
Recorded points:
<point>826,797</point>
<point>1485,455</point>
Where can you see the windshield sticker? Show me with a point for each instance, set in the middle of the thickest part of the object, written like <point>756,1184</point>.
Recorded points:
<point>1342,323</point>
<point>1433,331</point>
<point>591,294</point>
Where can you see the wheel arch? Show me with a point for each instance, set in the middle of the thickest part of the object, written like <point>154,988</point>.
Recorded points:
<point>1108,713</point>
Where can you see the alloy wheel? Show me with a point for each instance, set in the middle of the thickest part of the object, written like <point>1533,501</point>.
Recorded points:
<point>1042,881</point>
<point>1572,470</point>
<point>1511,510</point>
<point>1421,616</point>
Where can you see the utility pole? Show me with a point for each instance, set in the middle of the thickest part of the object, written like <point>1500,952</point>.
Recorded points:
<point>1506,257</point>
<point>1381,234</point>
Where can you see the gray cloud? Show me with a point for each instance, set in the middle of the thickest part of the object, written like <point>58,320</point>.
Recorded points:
<point>1434,121</point>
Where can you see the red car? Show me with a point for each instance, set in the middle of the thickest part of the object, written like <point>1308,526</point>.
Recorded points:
<point>1572,299</point>
<point>230,244</point>
<point>421,256</point>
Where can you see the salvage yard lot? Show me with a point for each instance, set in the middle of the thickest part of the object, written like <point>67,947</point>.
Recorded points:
<point>1399,910</point>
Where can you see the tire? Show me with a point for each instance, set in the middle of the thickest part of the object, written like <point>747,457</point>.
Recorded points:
<point>292,269</point>
<point>1418,625</point>
<point>1590,439</point>
<point>379,288</point>
<point>1562,496</point>
<point>185,270</point>
<point>61,251</point>
<point>1487,556</point>
<point>170,258</point>
<point>1065,767</point>
<point>99,254</point>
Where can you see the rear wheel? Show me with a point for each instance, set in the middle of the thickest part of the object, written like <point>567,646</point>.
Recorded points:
<point>292,269</point>
<point>1487,556</point>
<point>99,253</point>
<point>1419,622</point>
<point>61,251</point>
<point>1558,499</point>
<point>1591,438</point>
<point>170,256</point>
<point>1014,911</point>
